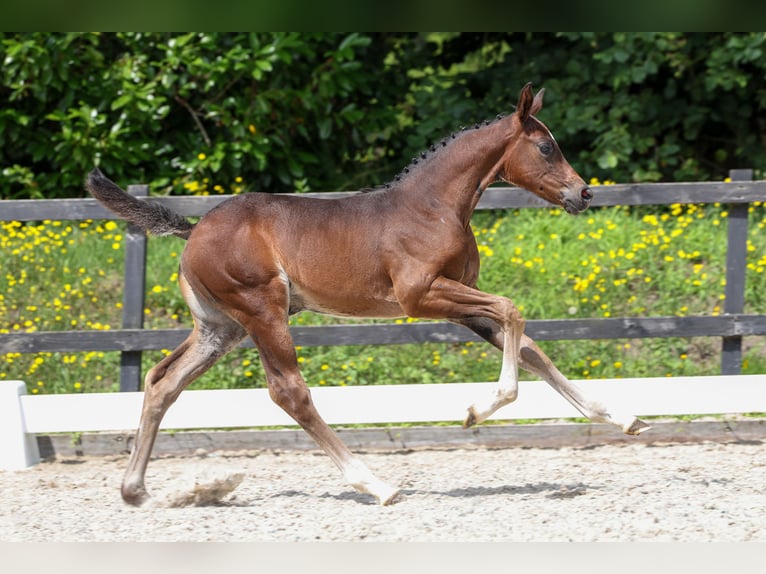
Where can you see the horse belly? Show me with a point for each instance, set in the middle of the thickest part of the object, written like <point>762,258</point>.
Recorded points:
<point>343,303</point>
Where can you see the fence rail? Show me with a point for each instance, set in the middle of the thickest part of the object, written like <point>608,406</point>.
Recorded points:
<point>132,339</point>
<point>738,191</point>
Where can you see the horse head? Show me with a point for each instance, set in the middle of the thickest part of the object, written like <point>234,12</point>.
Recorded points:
<point>532,159</point>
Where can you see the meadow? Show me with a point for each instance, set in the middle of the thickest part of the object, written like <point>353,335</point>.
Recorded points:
<point>607,262</point>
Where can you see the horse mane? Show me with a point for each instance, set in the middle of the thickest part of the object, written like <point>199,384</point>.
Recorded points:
<point>424,156</point>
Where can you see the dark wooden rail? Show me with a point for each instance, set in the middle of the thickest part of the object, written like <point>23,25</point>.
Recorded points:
<point>132,339</point>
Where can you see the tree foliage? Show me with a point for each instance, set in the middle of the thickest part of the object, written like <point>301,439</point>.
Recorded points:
<point>325,111</point>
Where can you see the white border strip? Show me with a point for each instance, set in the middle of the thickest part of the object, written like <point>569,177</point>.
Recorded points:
<point>22,416</point>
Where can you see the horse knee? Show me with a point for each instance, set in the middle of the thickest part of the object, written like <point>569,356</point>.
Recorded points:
<point>513,317</point>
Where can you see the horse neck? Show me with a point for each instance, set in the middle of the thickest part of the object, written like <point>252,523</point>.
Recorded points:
<point>452,177</point>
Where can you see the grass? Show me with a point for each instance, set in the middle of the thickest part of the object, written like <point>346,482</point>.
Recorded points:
<point>607,262</point>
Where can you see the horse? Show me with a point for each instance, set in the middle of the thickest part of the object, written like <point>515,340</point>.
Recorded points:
<point>403,249</point>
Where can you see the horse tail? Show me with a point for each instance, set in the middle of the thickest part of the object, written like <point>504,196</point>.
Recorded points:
<point>151,216</point>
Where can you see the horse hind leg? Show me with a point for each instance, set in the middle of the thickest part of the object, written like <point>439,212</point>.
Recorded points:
<point>269,330</point>
<point>288,390</point>
<point>208,342</point>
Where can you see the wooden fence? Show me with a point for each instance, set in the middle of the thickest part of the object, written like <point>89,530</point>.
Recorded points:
<point>132,339</point>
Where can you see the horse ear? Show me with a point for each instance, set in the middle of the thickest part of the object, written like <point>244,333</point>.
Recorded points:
<point>526,102</point>
<point>537,104</point>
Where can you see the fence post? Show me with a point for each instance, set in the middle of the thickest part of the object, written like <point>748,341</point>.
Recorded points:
<point>19,449</point>
<point>736,268</point>
<point>134,296</point>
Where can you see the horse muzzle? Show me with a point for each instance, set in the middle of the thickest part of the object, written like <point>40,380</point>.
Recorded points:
<point>576,201</point>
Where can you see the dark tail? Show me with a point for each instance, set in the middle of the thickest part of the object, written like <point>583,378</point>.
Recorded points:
<point>151,216</point>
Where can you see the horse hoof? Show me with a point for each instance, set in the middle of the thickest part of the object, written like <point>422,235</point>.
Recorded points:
<point>392,498</point>
<point>470,419</point>
<point>636,427</point>
<point>134,497</point>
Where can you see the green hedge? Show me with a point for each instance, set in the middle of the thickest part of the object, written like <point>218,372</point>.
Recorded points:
<point>224,112</point>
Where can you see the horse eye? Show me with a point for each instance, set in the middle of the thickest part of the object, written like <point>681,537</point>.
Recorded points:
<point>546,147</point>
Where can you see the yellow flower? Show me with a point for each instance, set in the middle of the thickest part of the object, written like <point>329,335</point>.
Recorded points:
<point>650,219</point>
<point>201,156</point>
<point>486,251</point>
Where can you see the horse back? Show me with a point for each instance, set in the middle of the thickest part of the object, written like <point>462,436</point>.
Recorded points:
<point>331,254</point>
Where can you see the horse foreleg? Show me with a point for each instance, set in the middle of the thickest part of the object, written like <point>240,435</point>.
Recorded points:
<point>534,360</point>
<point>508,383</point>
<point>458,302</point>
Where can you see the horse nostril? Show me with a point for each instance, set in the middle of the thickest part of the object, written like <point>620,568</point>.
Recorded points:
<point>586,194</point>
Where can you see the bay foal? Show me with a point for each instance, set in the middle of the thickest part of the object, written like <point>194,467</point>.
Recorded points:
<point>406,249</point>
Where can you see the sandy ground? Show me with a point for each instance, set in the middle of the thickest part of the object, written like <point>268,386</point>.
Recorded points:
<point>683,492</point>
